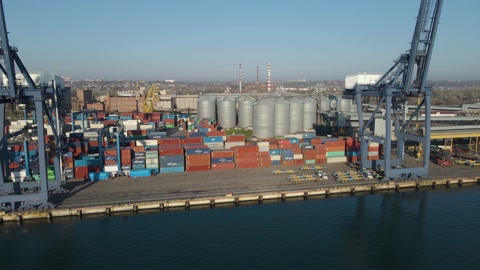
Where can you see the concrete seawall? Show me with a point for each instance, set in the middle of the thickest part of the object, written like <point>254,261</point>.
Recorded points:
<point>233,199</point>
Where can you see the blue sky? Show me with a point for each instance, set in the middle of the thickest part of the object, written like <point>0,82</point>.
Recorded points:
<point>202,40</point>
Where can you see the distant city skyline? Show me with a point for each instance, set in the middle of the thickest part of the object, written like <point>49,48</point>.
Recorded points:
<point>189,40</point>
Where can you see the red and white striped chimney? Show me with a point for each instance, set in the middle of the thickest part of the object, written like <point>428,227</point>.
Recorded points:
<point>269,79</point>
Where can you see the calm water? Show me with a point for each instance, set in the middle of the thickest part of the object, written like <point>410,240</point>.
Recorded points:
<point>435,229</point>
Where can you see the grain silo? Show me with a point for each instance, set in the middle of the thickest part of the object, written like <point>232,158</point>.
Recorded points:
<point>227,112</point>
<point>310,113</point>
<point>206,107</point>
<point>282,117</point>
<point>245,111</point>
<point>296,115</point>
<point>264,119</point>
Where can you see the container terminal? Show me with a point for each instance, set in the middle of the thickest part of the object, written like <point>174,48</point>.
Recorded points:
<point>229,144</point>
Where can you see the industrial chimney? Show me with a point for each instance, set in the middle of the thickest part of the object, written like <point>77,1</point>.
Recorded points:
<point>269,79</point>
<point>240,78</point>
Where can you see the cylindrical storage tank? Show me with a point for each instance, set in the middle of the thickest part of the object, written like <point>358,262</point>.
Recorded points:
<point>227,112</point>
<point>282,117</point>
<point>264,119</point>
<point>206,107</point>
<point>310,113</point>
<point>245,111</point>
<point>296,115</point>
<point>345,105</point>
<point>334,106</point>
<point>324,104</point>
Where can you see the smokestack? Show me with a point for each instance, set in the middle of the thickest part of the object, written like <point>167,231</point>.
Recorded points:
<point>240,78</point>
<point>258,72</point>
<point>269,79</point>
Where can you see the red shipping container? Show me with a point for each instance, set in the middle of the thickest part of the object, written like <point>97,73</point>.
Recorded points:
<point>246,149</point>
<point>197,157</point>
<point>222,153</point>
<point>138,149</point>
<point>299,161</point>
<point>288,162</point>
<point>111,162</point>
<point>236,138</point>
<point>191,140</point>
<point>321,161</point>
<point>197,168</point>
<point>223,166</point>
<point>321,156</point>
<point>316,141</point>
<point>169,141</point>
<point>246,155</point>
<point>247,165</point>
<point>246,160</point>
<point>172,149</point>
<point>198,162</point>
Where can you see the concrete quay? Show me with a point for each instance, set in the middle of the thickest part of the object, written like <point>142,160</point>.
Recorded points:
<point>210,188</point>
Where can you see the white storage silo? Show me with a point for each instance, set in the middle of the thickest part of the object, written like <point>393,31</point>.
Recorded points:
<point>227,112</point>
<point>310,112</point>
<point>264,119</point>
<point>206,107</point>
<point>296,115</point>
<point>282,117</point>
<point>345,105</point>
<point>245,111</point>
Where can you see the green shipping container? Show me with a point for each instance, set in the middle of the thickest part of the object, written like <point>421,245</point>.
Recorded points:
<point>336,154</point>
<point>309,161</point>
<point>151,166</point>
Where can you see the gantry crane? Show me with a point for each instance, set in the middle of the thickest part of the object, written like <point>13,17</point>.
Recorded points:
<point>148,102</point>
<point>27,194</point>
<point>392,90</point>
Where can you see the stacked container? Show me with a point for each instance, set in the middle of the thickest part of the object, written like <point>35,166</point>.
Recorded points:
<point>264,154</point>
<point>126,159</point>
<point>222,159</point>
<point>214,142</point>
<point>86,164</point>
<point>138,161</point>
<point>373,151</point>
<point>309,154</point>
<point>336,151</point>
<point>246,156</point>
<point>110,160</point>
<point>151,159</point>
<point>235,140</point>
<point>353,153</point>
<point>171,158</point>
<point>320,154</point>
<point>169,120</point>
<point>197,158</point>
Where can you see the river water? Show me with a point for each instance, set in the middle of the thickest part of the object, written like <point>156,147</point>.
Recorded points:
<point>424,229</point>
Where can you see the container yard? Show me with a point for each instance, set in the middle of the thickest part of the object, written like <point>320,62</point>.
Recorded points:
<point>228,146</point>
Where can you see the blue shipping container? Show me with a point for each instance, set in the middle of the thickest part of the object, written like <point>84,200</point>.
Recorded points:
<point>274,152</point>
<point>197,134</point>
<point>294,140</point>
<point>197,151</point>
<point>222,160</point>
<point>171,169</point>
<point>98,176</point>
<point>275,162</point>
<point>140,173</point>
<point>168,116</point>
<point>213,139</point>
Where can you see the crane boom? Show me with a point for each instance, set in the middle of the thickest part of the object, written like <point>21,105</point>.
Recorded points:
<point>393,90</point>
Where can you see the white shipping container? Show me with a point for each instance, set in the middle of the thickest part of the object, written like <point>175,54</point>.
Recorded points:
<point>275,157</point>
<point>297,136</point>
<point>336,159</point>
<point>263,149</point>
<point>297,156</point>
<point>372,153</point>
<point>146,127</point>
<point>110,168</point>
<point>151,161</point>
<point>229,145</point>
<point>263,144</point>
<point>373,144</point>
<point>214,145</point>
<point>97,125</point>
<point>146,142</point>
<point>90,134</point>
